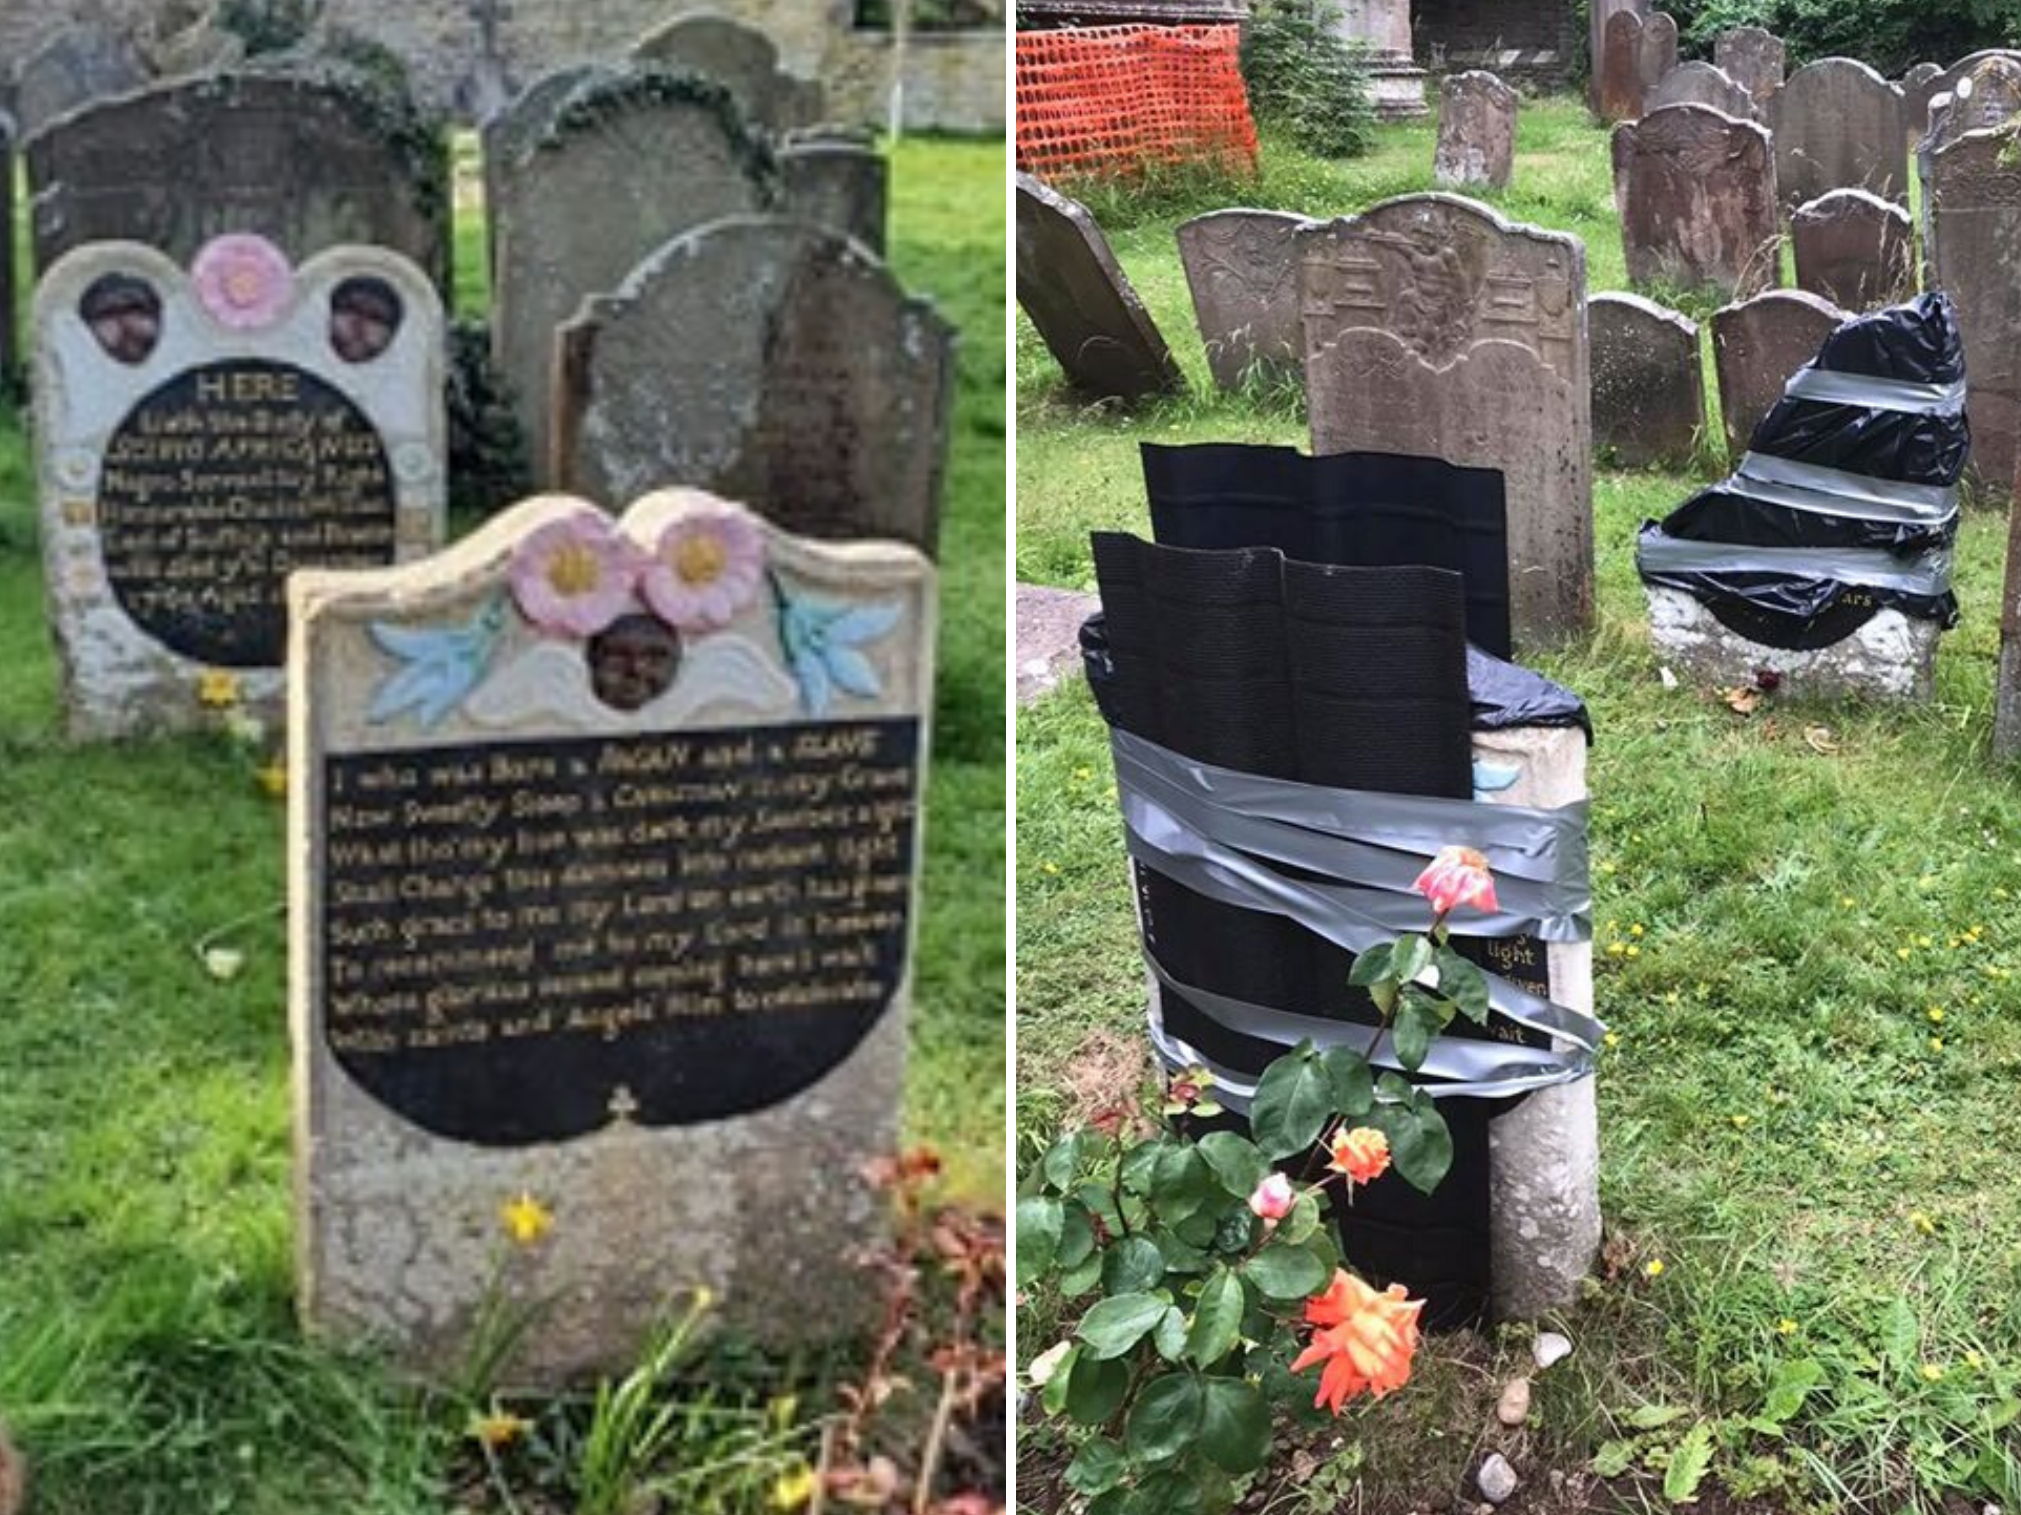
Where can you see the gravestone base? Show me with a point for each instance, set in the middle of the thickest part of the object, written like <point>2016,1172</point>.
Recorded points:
<point>1397,88</point>
<point>1891,657</point>
<point>1049,637</point>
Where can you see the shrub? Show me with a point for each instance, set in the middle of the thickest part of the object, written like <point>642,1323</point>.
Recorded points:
<point>1302,74</point>
<point>1890,35</point>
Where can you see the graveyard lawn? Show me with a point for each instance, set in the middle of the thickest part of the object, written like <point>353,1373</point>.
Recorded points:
<point>1806,948</point>
<point>149,1357</point>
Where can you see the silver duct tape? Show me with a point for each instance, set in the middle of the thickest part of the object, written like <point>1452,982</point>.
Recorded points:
<point>1834,492</point>
<point>1379,879</point>
<point>1876,394</point>
<point>1927,573</point>
<point>1544,846</point>
<point>1165,844</point>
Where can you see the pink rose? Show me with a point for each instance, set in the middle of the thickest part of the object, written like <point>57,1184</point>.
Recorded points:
<point>1457,876</point>
<point>575,575</point>
<point>244,281</point>
<point>1273,1198</point>
<point>706,567</point>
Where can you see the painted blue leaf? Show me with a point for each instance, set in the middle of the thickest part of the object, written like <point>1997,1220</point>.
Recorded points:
<point>851,671</point>
<point>815,689</point>
<point>865,623</point>
<point>1493,778</point>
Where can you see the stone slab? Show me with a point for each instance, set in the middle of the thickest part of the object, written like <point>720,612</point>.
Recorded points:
<point>1975,218</point>
<point>81,64</point>
<point>837,178</point>
<point>1855,249</point>
<point>744,60</point>
<point>1753,58</point>
<point>1839,125</point>
<point>602,901</point>
<point>1477,131</point>
<point>1049,637</point>
<point>1648,382</point>
<point>1598,14</point>
<point>1697,195</point>
<point>1891,657</point>
<point>1756,346</point>
<point>1699,83</point>
<point>1242,269</point>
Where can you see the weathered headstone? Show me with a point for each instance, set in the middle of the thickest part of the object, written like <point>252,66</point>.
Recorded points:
<point>1648,382</point>
<point>1696,190</point>
<point>1984,94</point>
<point>1855,249</point>
<point>1242,267</point>
<point>1752,58</point>
<point>76,66</point>
<point>1477,131</point>
<point>2007,681</point>
<point>1656,52</point>
<point>1917,87</point>
<point>1079,298</point>
<point>624,165</point>
<point>1697,83</point>
<point>199,435</point>
<point>1838,125</point>
<point>836,177</point>
<point>1756,346</point>
<point>1435,328</point>
<point>1975,220</point>
<point>523,120</point>
<point>1598,14</point>
<point>605,839</point>
<point>307,160</point>
<point>741,58</point>
<point>767,359</point>
<point>1618,94</point>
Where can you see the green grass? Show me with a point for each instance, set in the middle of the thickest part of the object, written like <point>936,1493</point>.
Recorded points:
<point>149,1357</point>
<point>1777,1127</point>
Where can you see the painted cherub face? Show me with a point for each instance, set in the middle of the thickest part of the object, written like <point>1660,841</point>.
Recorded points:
<point>632,662</point>
<point>364,318</point>
<point>124,314</point>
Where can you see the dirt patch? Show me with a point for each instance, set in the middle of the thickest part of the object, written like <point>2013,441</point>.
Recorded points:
<point>1107,1072</point>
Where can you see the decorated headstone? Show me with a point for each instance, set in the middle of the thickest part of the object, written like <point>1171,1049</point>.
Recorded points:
<point>1477,131</point>
<point>1242,267</point>
<point>605,837</point>
<point>1855,249</point>
<point>808,383</point>
<point>743,60</point>
<point>1648,382</point>
<point>1752,58</point>
<point>308,160</point>
<point>1838,125</point>
<point>80,63</point>
<point>199,436</point>
<point>1435,328</point>
<point>1696,190</point>
<point>1081,301</point>
<point>623,165</point>
<point>1974,207</point>
<point>1756,346</point>
<point>1698,83</point>
<point>836,177</point>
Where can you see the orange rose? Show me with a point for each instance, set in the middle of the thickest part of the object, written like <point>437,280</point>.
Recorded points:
<point>1457,876</point>
<point>1365,1339</point>
<point>1362,1154</point>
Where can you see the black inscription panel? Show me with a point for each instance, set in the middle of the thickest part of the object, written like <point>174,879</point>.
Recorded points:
<point>522,941</point>
<point>218,484</point>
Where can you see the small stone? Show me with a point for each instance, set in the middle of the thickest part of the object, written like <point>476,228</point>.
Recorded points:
<point>1496,1480</point>
<point>1514,1406</point>
<point>1550,1347</point>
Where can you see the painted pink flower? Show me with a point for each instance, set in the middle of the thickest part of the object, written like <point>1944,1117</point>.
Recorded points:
<point>575,575</point>
<point>1273,1198</point>
<point>244,281</point>
<point>706,568</point>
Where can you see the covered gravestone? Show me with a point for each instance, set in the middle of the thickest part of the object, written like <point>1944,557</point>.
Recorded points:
<point>604,838</point>
<point>836,177</point>
<point>1756,346</point>
<point>307,159</point>
<point>744,60</point>
<point>1477,131</point>
<point>80,64</point>
<point>769,360</point>
<point>1242,268</point>
<point>199,436</point>
<point>1696,190</point>
<point>1754,59</point>
<point>1975,216</point>
<point>1437,329</point>
<point>624,164</point>
<point>1697,83</point>
<point>1855,249</point>
<point>1081,301</point>
<point>1648,382</point>
<point>1838,125</point>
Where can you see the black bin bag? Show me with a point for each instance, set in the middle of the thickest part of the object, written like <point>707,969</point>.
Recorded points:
<point>1846,503</point>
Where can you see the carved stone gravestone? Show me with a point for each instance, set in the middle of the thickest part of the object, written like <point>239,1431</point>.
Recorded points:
<point>836,177</point>
<point>1697,83</point>
<point>1838,125</point>
<point>1983,95</point>
<point>1752,58</point>
<point>2007,681</point>
<point>524,119</point>
<point>1855,249</point>
<point>1435,328</point>
<point>1598,14</point>
<point>604,839</point>
<point>199,435</point>
<point>1656,52</point>
<point>1756,346</point>
<point>1975,213</point>
<point>1618,94</point>
<point>771,360</point>
<point>1242,267</point>
<point>743,60</point>
<point>624,165</point>
<point>307,160</point>
<point>1079,298</point>
<point>1477,131</point>
<point>77,65</point>
<point>1696,190</point>
<point>1648,382</point>
<point>1918,89</point>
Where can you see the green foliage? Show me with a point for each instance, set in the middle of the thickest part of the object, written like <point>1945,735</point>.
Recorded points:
<point>933,15</point>
<point>1302,74</point>
<point>488,466</point>
<point>1891,35</point>
<point>270,26</point>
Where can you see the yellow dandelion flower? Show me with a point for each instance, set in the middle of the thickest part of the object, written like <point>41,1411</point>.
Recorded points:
<point>1923,941</point>
<point>1615,949</point>
<point>1846,902</point>
<point>1999,893</point>
<point>1931,1372</point>
<point>1634,951</point>
<point>526,1219</point>
<point>1936,1044</point>
<point>1082,775</point>
<point>1740,1120</point>
<point>1049,867</point>
<point>1923,1223</point>
<point>1636,929</point>
<point>1974,1361</point>
<point>1671,998</point>
<point>794,1490</point>
<point>1613,1038</point>
<point>1785,1327</point>
<point>497,1429</point>
<point>1608,869</point>
<point>217,689</point>
<point>1937,1015</point>
<point>273,779</point>
<point>1653,1268</point>
<point>1110,793</point>
<point>1634,836</point>
<point>1902,952</point>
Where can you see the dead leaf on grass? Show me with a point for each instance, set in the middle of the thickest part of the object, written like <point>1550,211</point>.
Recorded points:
<point>1741,699</point>
<point>1820,740</point>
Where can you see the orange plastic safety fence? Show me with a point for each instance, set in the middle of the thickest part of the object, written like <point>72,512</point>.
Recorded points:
<point>1112,99</point>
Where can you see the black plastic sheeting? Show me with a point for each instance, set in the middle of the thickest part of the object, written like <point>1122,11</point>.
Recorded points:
<point>1918,342</point>
<point>1349,677</point>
